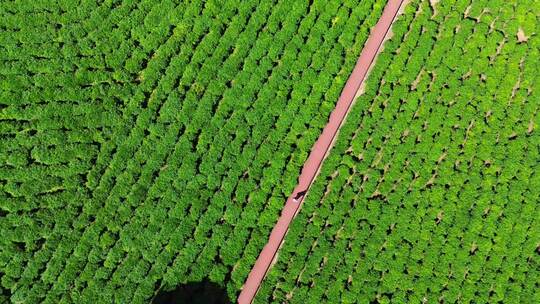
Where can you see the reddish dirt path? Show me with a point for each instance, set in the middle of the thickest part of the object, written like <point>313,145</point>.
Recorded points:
<point>319,151</point>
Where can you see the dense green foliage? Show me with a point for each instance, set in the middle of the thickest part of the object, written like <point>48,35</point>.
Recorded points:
<point>431,194</point>
<point>148,143</point>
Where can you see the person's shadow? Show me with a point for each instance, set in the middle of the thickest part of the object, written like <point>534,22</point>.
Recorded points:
<point>204,292</point>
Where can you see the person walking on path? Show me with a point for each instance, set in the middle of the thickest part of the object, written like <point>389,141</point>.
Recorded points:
<point>319,151</point>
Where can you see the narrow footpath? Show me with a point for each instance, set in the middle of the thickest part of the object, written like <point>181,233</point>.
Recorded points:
<point>320,150</point>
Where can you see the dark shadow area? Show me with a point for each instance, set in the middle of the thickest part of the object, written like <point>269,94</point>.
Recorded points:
<point>204,292</point>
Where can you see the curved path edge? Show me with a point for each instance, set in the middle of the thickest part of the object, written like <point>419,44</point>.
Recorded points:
<point>320,150</point>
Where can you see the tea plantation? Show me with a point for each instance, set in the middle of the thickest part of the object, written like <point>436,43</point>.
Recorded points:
<point>145,144</point>
<point>150,143</point>
<point>431,194</point>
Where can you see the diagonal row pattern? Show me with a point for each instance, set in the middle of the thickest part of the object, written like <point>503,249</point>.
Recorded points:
<point>148,143</point>
<point>431,191</point>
